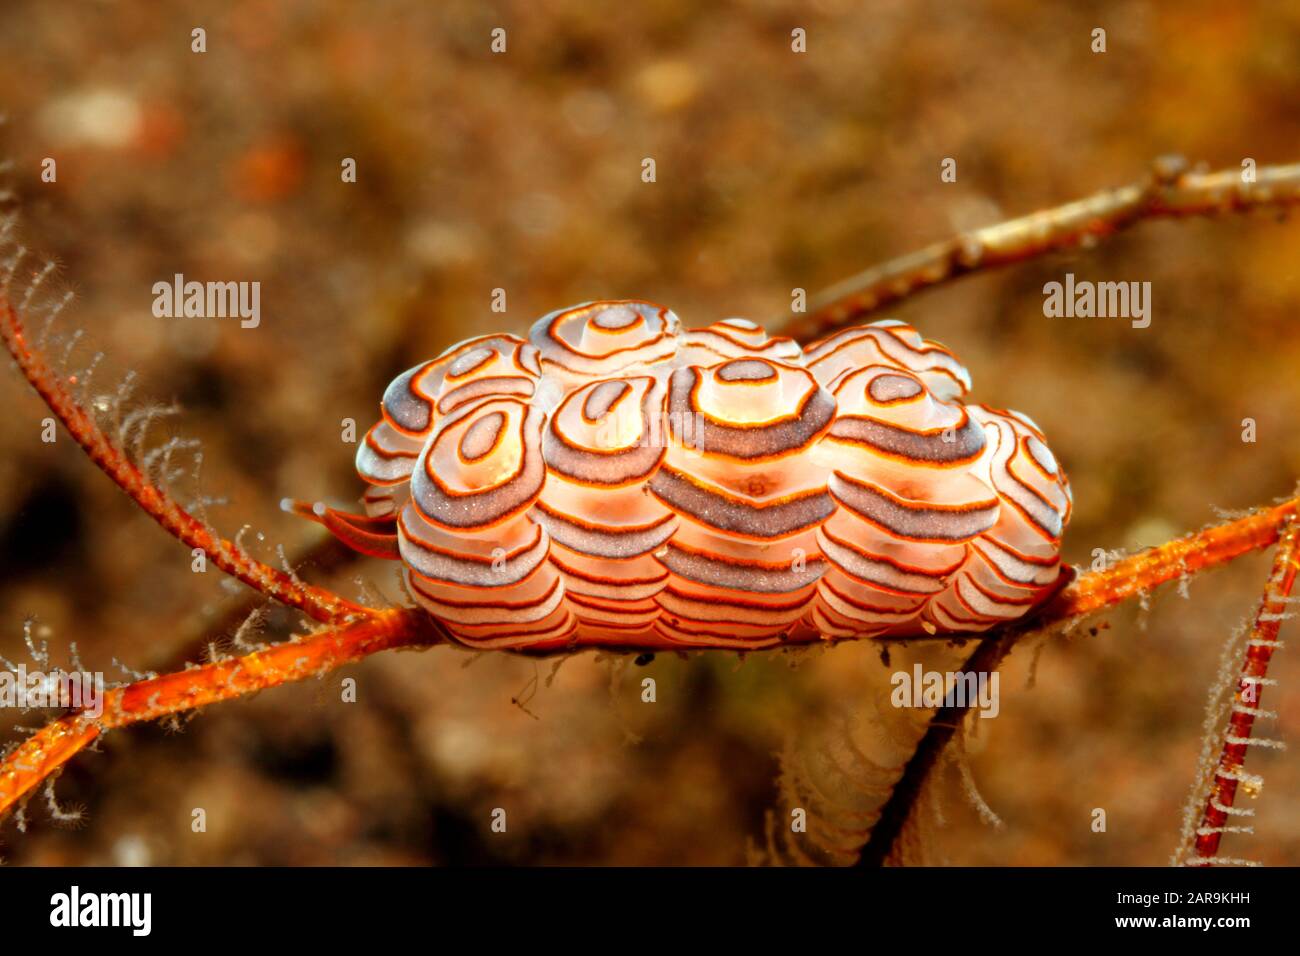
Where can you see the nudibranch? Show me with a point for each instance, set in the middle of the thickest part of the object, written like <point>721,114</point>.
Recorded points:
<point>615,480</point>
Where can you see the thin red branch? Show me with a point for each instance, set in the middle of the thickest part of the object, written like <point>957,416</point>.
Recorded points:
<point>46,751</point>
<point>1245,706</point>
<point>1170,192</point>
<point>317,602</point>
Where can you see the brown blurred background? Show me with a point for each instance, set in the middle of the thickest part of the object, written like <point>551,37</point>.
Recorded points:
<point>522,171</point>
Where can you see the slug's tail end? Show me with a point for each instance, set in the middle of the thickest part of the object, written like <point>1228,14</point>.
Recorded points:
<point>376,537</point>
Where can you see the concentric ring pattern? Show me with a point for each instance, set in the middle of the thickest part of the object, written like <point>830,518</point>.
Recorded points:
<point>616,480</point>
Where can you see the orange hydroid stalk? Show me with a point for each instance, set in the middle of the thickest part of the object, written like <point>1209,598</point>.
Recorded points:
<point>43,754</point>
<point>316,602</point>
<point>1245,707</point>
<point>1175,559</point>
<point>32,762</point>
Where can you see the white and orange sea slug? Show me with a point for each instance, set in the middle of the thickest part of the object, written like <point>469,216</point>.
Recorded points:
<point>618,481</point>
